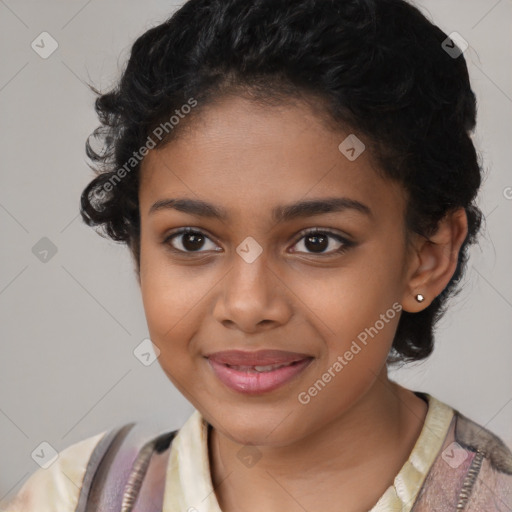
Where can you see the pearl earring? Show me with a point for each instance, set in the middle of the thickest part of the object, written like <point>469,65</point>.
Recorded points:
<point>419,297</point>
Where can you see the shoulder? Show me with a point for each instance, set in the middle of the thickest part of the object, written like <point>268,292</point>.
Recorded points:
<point>472,470</point>
<point>488,481</point>
<point>58,486</point>
<point>477,438</point>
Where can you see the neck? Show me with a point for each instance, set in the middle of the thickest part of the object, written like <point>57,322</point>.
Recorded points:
<point>355,457</point>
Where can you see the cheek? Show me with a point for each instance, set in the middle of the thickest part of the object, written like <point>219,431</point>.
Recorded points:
<point>169,307</point>
<point>168,296</point>
<point>170,317</point>
<point>356,311</point>
<point>347,300</point>
<point>176,299</point>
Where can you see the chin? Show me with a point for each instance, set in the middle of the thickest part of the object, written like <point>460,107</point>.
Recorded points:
<point>259,429</point>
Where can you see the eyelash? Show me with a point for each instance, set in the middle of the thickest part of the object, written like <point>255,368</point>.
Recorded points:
<point>347,244</point>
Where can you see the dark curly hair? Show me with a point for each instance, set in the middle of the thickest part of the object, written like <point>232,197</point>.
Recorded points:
<point>378,67</point>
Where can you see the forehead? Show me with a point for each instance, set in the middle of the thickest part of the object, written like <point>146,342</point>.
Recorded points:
<point>245,157</point>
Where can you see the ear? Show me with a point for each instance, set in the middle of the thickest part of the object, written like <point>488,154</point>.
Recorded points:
<point>432,261</point>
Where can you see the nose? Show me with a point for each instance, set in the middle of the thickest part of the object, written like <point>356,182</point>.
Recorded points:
<point>253,297</point>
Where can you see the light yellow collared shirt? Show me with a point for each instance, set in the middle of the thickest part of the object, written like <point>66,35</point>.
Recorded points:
<point>188,482</point>
<point>189,486</point>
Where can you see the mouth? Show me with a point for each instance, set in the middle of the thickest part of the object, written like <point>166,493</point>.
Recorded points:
<point>259,374</point>
<point>256,358</point>
<point>260,368</point>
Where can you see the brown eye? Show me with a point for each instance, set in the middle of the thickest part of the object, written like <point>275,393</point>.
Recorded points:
<point>317,241</point>
<point>190,240</point>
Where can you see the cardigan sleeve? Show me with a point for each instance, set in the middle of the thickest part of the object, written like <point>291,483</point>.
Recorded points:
<point>58,486</point>
<point>473,472</point>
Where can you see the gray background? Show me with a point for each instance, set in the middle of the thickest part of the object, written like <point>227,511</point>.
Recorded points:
<point>69,325</point>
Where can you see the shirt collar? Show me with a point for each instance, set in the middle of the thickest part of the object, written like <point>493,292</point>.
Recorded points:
<point>189,485</point>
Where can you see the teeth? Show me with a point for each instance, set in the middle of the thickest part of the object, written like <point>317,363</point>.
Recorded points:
<point>267,368</point>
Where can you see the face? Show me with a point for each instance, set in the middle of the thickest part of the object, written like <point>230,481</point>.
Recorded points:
<point>260,278</point>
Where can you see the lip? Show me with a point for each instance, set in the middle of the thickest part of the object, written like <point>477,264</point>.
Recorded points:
<point>250,381</point>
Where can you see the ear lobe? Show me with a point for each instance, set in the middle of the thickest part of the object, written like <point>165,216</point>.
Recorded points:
<point>435,261</point>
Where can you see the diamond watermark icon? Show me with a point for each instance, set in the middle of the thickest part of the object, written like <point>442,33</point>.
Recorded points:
<point>249,455</point>
<point>45,455</point>
<point>146,352</point>
<point>249,249</point>
<point>454,45</point>
<point>44,45</point>
<point>352,147</point>
<point>454,455</point>
<point>44,250</point>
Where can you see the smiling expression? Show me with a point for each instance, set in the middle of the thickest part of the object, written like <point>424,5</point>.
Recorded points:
<point>253,184</point>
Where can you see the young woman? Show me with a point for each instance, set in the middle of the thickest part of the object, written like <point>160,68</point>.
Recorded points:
<point>296,183</point>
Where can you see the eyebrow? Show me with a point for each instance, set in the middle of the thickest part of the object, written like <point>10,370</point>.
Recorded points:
<point>281,213</point>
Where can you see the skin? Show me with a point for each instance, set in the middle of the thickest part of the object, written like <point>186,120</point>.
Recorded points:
<point>341,450</point>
